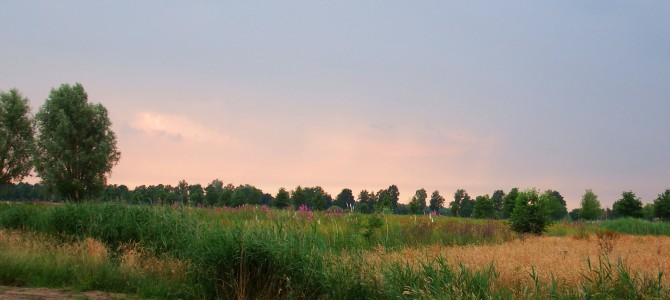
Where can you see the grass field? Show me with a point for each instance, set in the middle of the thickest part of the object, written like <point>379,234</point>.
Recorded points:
<point>256,252</point>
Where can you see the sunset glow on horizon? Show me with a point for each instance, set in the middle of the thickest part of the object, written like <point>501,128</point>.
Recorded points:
<point>566,96</point>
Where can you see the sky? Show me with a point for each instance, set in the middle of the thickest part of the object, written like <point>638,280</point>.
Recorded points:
<point>441,95</point>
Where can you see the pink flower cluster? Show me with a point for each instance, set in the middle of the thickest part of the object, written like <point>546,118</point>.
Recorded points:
<point>304,214</point>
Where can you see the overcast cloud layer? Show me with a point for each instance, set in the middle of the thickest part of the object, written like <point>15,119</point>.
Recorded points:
<point>563,95</point>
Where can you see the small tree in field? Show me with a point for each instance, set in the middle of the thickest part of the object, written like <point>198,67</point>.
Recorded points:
<point>629,205</point>
<point>530,214</point>
<point>590,209</point>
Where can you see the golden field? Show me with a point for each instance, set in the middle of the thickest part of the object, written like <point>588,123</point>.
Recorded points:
<point>564,257</point>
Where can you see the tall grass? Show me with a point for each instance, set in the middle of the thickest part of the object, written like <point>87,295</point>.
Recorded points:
<point>638,226</point>
<point>31,259</point>
<point>260,253</point>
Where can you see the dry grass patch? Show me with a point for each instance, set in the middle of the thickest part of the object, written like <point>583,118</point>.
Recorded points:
<point>564,257</point>
<point>87,258</point>
<point>134,259</point>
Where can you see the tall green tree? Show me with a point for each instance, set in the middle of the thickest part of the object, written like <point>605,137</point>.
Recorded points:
<point>16,137</point>
<point>281,199</point>
<point>436,201</point>
<point>498,199</point>
<point>648,211</point>
<point>418,202</point>
<point>387,198</point>
<point>662,206</point>
<point>196,194</point>
<point>509,201</point>
<point>383,200</point>
<point>76,147</point>
<point>455,206</point>
<point>213,192</point>
<point>590,207</point>
<point>365,201</point>
<point>530,214</point>
<point>629,205</point>
<point>226,198</point>
<point>298,197</point>
<point>345,198</point>
<point>247,194</point>
<point>394,195</point>
<point>555,203</point>
<point>467,207</point>
<point>462,205</point>
<point>317,198</point>
<point>484,208</point>
<point>266,199</point>
<point>181,191</point>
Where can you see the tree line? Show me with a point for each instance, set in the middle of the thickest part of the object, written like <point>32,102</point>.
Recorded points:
<point>500,205</point>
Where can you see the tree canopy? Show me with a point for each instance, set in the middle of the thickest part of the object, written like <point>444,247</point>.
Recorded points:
<point>662,205</point>
<point>555,203</point>
<point>590,207</point>
<point>484,208</point>
<point>345,198</point>
<point>436,201</point>
<point>16,137</point>
<point>509,201</point>
<point>498,198</point>
<point>628,206</point>
<point>530,214</point>
<point>281,199</point>
<point>418,202</point>
<point>76,147</point>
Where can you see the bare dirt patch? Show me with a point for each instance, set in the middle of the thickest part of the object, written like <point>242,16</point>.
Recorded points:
<point>20,293</point>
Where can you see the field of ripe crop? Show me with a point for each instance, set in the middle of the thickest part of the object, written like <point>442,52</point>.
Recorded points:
<point>256,252</point>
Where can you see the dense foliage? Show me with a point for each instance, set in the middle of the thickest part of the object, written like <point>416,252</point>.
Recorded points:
<point>76,148</point>
<point>16,137</point>
<point>662,205</point>
<point>530,213</point>
<point>628,206</point>
<point>590,206</point>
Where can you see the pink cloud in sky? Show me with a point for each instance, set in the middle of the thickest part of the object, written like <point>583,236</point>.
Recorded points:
<point>178,127</point>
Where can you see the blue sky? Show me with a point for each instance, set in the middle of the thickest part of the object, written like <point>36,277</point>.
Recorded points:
<point>442,95</point>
